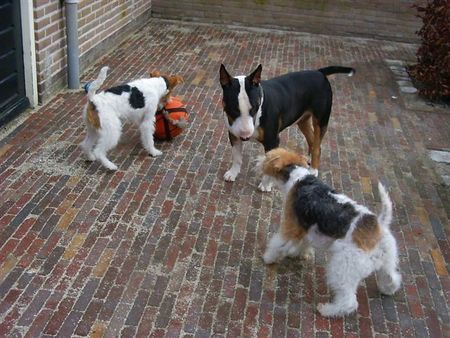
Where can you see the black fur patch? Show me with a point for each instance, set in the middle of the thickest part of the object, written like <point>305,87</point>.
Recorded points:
<point>286,172</point>
<point>314,205</point>
<point>230,97</point>
<point>118,90</point>
<point>137,99</point>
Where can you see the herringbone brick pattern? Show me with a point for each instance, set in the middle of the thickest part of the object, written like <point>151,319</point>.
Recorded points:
<point>165,247</point>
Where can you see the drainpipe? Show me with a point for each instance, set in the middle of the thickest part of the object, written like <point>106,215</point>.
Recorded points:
<point>73,53</point>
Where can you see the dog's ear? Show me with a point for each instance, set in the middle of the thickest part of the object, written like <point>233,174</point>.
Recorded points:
<point>225,78</point>
<point>272,163</point>
<point>155,74</point>
<point>255,77</point>
<point>174,80</point>
<point>275,162</point>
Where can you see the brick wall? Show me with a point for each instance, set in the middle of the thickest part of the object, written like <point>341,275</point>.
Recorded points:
<point>385,19</point>
<point>101,24</point>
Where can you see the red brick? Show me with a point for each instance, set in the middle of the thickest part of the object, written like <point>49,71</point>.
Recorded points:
<point>39,323</point>
<point>164,246</point>
<point>413,300</point>
<point>7,248</point>
<point>58,317</point>
<point>146,324</point>
<point>24,228</point>
<point>9,299</point>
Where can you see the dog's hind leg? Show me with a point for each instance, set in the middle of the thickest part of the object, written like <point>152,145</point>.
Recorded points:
<point>388,277</point>
<point>344,302</point>
<point>344,272</point>
<point>316,148</point>
<point>305,126</point>
<point>108,138</point>
<point>89,142</point>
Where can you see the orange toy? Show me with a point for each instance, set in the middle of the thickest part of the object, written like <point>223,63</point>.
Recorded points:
<point>171,120</point>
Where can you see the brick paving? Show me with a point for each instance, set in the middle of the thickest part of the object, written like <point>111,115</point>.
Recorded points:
<point>165,247</point>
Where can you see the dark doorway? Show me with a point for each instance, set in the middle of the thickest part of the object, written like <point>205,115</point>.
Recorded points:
<point>12,83</point>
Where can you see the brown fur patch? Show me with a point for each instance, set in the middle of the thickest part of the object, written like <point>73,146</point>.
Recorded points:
<point>367,233</point>
<point>317,140</point>
<point>260,134</point>
<point>92,115</point>
<point>279,158</point>
<point>174,80</point>
<point>291,228</point>
<point>305,126</point>
<point>155,74</point>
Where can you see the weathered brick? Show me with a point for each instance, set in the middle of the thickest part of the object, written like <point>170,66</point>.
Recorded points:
<point>110,303</point>
<point>158,292</point>
<point>89,316</point>
<point>165,247</point>
<point>86,295</point>
<point>162,320</point>
<point>58,317</point>
<point>146,324</point>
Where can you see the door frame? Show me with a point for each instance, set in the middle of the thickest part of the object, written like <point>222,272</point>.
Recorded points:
<point>29,51</point>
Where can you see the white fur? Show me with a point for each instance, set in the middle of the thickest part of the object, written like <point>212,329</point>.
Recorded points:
<point>243,126</point>
<point>113,108</point>
<point>259,112</point>
<point>266,184</point>
<point>347,264</point>
<point>279,247</point>
<point>236,154</point>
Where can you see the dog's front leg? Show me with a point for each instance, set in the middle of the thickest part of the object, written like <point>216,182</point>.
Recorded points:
<point>236,154</point>
<point>271,141</point>
<point>266,184</point>
<point>147,129</point>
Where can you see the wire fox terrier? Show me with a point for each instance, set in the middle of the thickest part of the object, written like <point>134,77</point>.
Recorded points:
<point>314,215</point>
<point>137,101</point>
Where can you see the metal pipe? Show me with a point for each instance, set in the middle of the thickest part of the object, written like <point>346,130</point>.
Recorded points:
<point>73,52</point>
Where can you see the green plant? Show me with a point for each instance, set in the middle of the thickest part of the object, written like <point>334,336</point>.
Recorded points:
<point>432,72</point>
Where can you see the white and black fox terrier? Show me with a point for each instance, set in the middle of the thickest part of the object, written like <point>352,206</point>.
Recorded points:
<point>314,215</point>
<point>137,101</point>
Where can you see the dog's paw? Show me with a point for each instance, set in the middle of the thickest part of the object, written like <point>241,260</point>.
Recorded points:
<point>314,172</point>
<point>389,284</point>
<point>155,152</point>
<point>326,309</point>
<point>307,254</point>
<point>110,166</point>
<point>265,187</point>
<point>270,257</point>
<point>90,157</point>
<point>336,310</point>
<point>230,175</point>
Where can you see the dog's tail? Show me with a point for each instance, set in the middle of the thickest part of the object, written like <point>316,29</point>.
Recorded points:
<point>337,69</point>
<point>385,216</point>
<point>92,87</point>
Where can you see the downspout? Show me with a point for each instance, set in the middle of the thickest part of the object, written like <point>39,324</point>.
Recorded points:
<point>73,52</point>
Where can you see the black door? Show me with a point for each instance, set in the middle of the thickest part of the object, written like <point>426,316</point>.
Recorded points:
<point>12,83</point>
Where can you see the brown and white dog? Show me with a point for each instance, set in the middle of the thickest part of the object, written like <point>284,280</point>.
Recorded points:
<point>137,101</point>
<point>357,241</point>
<point>256,109</point>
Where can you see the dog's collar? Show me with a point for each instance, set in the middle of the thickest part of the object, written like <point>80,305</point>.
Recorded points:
<point>166,81</point>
